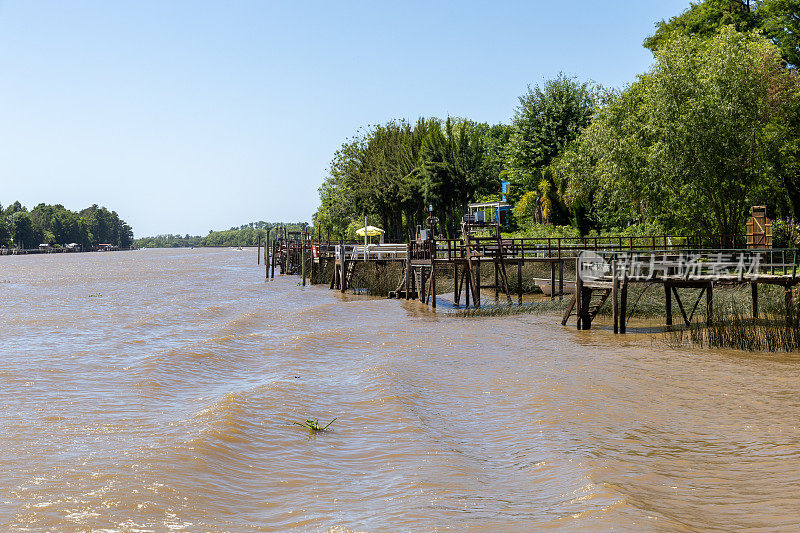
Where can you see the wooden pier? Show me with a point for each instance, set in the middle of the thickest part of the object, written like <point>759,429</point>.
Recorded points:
<point>483,260</point>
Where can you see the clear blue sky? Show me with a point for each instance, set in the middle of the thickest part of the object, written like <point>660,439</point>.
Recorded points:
<point>187,116</point>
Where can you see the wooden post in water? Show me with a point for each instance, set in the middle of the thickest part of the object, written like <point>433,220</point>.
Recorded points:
<point>754,291</point>
<point>668,303</point>
<point>433,274</point>
<point>456,288</point>
<point>477,299</point>
<point>615,295</point>
<point>623,304</point>
<point>343,271</point>
<point>409,272</point>
<point>552,280</point>
<point>578,297</point>
<point>274,245</point>
<point>710,304</point>
<point>303,260</point>
<point>266,256</point>
<point>468,287</point>
<point>560,277</point>
<point>519,280</point>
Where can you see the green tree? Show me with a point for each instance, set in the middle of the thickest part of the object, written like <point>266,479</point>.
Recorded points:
<point>777,19</point>
<point>456,169</point>
<point>5,231</point>
<point>22,232</point>
<point>695,141</point>
<point>780,20</point>
<point>547,120</point>
<point>705,19</point>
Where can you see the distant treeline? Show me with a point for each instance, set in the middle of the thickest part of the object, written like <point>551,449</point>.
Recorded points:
<point>58,226</point>
<point>245,235</point>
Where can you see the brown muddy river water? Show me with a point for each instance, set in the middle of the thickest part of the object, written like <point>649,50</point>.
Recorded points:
<point>156,390</point>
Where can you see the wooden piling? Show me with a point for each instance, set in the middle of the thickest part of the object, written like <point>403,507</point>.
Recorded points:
<point>519,281</point>
<point>668,303</point>
<point>433,280</point>
<point>623,304</point>
<point>343,270</point>
<point>710,304</point>
<point>579,295</point>
<point>274,246</point>
<point>615,295</point>
<point>477,299</point>
<point>303,261</point>
<point>409,271</point>
<point>754,291</point>
<point>456,286</point>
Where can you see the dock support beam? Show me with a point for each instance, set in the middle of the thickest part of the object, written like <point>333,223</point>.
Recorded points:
<point>668,303</point>
<point>579,298</point>
<point>615,295</point>
<point>303,261</point>
<point>623,304</point>
<point>754,291</point>
<point>710,304</point>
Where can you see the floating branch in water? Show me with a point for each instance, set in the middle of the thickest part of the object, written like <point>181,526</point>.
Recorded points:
<point>313,425</point>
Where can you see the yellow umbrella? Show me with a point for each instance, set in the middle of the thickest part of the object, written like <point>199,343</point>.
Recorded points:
<point>372,231</point>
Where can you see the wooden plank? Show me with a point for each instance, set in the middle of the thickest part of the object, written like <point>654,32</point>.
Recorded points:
<point>568,311</point>
<point>680,306</point>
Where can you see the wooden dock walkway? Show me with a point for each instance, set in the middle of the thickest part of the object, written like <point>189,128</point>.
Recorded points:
<point>483,260</point>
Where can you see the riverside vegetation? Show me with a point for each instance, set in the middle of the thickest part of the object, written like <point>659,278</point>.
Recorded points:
<point>712,128</point>
<point>57,225</point>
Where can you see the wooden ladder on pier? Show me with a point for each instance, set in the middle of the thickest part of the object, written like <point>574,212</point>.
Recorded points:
<point>594,308</point>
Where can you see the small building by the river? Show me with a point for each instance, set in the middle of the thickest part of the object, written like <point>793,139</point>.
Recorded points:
<point>490,212</point>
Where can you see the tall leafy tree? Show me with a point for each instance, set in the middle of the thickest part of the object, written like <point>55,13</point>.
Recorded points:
<point>695,141</point>
<point>456,169</point>
<point>547,119</point>
<point>778,20</point>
